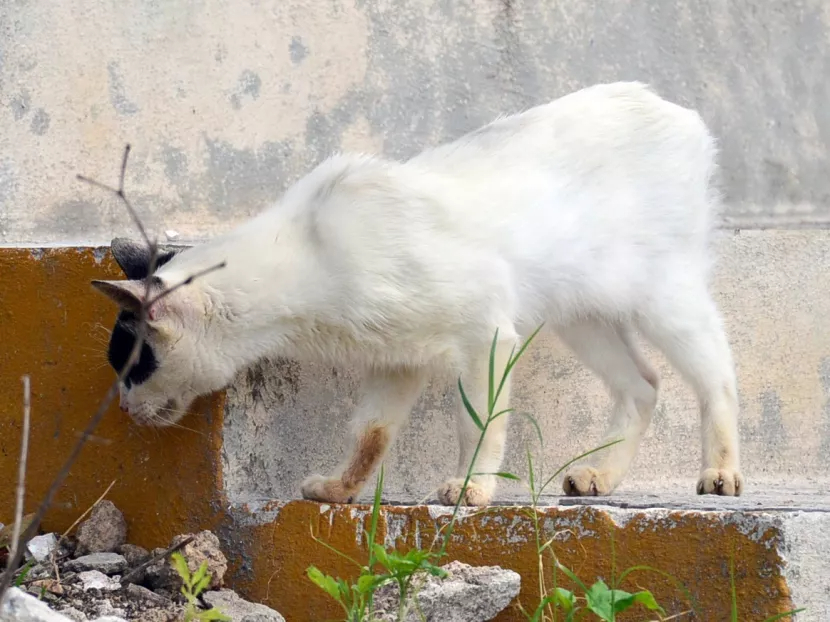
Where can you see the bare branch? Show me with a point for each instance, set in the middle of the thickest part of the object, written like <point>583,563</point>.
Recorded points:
<point>187,281</point>
<point>119,192</point>
<point>123,170</point>
<point>21,474</point>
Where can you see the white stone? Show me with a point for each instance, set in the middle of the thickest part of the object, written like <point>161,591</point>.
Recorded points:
<point>108,563</point>
<point>98,580</point>
<point>18,606</point>
<point>239,610</point>
<point>171,234</point>
<point>469,594</point>
<point>40,547</point>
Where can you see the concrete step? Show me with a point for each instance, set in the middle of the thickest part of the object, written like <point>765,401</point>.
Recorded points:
<point>775,540</point>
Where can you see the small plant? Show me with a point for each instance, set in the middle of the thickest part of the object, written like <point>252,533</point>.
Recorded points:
<point>23,572</point>
<point>193,586</point>
<point>601,600</point>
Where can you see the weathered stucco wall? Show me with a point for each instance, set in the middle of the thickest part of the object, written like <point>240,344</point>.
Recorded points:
<point>226,102</point>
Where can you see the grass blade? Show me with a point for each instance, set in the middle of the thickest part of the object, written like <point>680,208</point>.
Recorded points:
<point>470,410</point>
<point>491,376</point>
<point>781,616</point>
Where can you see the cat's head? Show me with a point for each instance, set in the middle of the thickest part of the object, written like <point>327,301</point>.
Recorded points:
<point>168,375</point>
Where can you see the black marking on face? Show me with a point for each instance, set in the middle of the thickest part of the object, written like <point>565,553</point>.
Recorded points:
<point>122,342</point>
<point>134,259</point>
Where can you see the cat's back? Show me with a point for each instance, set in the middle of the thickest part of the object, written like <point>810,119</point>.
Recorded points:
<point>623,122</point>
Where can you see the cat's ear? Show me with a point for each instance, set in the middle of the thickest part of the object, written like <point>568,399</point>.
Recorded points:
<point>127,295</point>
<point>130,296</point>
<point>134,257</point>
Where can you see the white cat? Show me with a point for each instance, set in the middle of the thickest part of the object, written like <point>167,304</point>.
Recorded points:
<point>591,214</point>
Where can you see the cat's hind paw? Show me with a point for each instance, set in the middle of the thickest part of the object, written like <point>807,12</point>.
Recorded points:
<point>474,495</point>
<point>326,490</point>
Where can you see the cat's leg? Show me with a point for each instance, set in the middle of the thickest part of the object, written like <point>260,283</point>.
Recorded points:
<point>387,399</point>
<point>610,351</point>
<point>475,382</point>
<point>687,327</point>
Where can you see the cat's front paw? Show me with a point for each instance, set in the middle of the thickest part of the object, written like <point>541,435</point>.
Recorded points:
<point>326,490</point>
<point>475,494</point>
<point>724,482</point>
<point>585,481</point>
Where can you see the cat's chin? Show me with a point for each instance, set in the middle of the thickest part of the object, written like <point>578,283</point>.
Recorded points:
<point>161,418</point>
<point>155,421</point>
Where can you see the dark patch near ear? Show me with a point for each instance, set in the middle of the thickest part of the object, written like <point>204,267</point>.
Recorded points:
<point>134,257</point>
<point>121,345</point>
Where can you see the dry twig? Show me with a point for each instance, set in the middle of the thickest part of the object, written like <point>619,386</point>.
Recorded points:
<point>88,510</point>
<point>21,473</point>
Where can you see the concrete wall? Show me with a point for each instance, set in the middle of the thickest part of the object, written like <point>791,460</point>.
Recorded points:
<point>227,102</point>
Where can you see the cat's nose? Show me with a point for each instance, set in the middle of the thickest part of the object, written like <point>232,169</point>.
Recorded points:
<point>123,408</point>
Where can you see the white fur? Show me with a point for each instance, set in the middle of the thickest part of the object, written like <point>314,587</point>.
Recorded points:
<point>591,214</point>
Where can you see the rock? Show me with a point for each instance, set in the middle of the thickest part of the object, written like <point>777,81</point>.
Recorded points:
<point>41,547</point>
<point>103,531</point>
<point>239,610</point>
<point>76,615</point>
<point>469,594</point>
<point>109,613</point>
<point>52,586</point>
<point>95,579</point>
<point>18,606</point>
<point>147,597</point>
<point>109,619</point>
<point>39,571</point>
<point>203,548</point>
<point>135,555</point>
<point>173,614</point>
<point>160,575</point>
<point>108,563</point>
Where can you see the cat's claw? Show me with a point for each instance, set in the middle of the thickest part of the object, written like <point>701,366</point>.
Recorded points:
<point>326,490</point>
<point>724,482</point>
<point>474,495</point>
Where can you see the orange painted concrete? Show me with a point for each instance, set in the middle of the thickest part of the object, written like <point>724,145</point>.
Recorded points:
<point>53,326</point>
<point>695,548</point>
